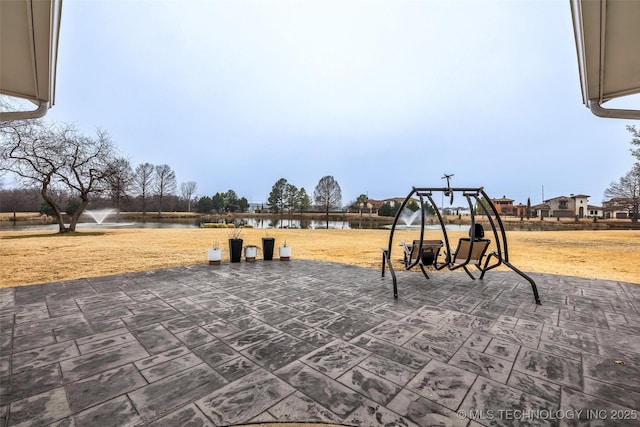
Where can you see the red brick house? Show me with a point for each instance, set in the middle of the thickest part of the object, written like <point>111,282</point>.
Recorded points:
<point>504,206</point>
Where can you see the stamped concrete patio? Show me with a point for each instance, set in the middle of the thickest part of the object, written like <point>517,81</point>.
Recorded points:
<point>316,341</point>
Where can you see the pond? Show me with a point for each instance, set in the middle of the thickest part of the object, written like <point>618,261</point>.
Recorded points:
<point>197,223</point>
<point>21,226</point>
<point>260,223</point>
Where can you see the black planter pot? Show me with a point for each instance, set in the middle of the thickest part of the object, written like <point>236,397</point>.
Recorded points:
<point>235,250</point>
<point>268,244</point>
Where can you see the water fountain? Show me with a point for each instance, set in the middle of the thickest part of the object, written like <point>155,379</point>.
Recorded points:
<point>99,215</point>
<point>410,220</point>
<point>409,217</point>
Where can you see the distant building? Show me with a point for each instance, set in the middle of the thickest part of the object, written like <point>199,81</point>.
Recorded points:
<point>618,208</point>
<point>575,205</point>
<point>369,206</point>
<point>504,206</point>
<point>255,206</point>
<point>521,210</point>
<point>393,200</point>
<point>595,211</point>
<point>568,207</point>
<point>541,210</point>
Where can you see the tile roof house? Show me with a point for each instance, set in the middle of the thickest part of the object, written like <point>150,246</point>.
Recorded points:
<point>504,205</point>
<point>521,210</point>
<point>618,208</point>
<point>393,200</point>
<point>576,205</point>
<point>540,210</point>
<point>595,211</point>
<point>370,206</point>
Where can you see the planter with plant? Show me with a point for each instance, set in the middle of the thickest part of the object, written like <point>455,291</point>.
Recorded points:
<point>250,253</point>
<point>284,251</point>
<point>215,253</point>
<point>268,243</point>
<point>235,245</point>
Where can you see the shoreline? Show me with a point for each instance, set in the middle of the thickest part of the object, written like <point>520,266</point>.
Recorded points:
<point>356,221</point>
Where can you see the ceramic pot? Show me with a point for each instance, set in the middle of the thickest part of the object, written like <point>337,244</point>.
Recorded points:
<point>214,255</point>
<point>285,253</point>
<point>250,253</point>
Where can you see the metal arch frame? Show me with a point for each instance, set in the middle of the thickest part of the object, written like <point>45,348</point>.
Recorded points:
<point>499,256</point>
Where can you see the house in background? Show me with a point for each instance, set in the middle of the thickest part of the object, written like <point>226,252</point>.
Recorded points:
<point>255,207</point>
<point>521,210</point>
<point>573,206</point>
<point>617,208</point>
<point>595,212</point>
<point>504,205</point>
<point>541,210</point>
<point>393,200</point>
<point>568,207</point>
<point>369,206</point>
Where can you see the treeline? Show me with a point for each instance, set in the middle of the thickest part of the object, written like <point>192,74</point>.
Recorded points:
<point>222,202</point>
<point>62,171</point>
<point>30,200</point>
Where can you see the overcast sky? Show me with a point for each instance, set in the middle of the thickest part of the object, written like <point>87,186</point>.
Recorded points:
<point>382,95</point>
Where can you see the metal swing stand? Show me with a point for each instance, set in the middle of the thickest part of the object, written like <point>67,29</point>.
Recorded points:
<point>470,251</point>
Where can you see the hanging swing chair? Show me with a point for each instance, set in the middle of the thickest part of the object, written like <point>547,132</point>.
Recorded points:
<point>469,251</point>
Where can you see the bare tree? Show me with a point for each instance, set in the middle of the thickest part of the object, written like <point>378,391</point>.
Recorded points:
<point>166,185</point>
<point>635,142</point>
<point>143,181</point>
<point>55,157</point>
<point>328,195</point>
<point>119,180</point>
<point>87,166</point>
<point>188,189</point>
<point>625,193</point>
<point>26,150</point>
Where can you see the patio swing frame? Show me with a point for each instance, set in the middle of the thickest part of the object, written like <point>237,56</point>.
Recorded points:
<point>495,258</point>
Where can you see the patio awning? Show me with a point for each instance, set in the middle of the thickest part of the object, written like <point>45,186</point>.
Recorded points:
<point>607,34</point>
<point>29,31</point>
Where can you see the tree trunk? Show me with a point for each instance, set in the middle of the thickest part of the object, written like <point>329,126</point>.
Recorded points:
<point>144,205</point>
<point>52,203</point>
<point>118,205</point>
<point>327,211</point>
<point>76,215</point>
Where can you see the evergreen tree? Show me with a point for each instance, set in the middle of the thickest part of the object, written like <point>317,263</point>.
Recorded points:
<point>303,200</point>
<point>218,202</point>
<point>205,204</point>
<point>277,200</point>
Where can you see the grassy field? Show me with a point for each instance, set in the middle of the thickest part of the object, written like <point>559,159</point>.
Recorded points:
<point>30,257</point>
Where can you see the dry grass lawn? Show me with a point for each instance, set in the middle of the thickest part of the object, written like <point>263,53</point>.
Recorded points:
<point>30,257</point>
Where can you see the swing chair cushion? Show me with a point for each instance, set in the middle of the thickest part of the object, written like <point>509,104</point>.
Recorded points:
<point>478,251</point>
<point>477,231</point>
<point>429,255</point>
